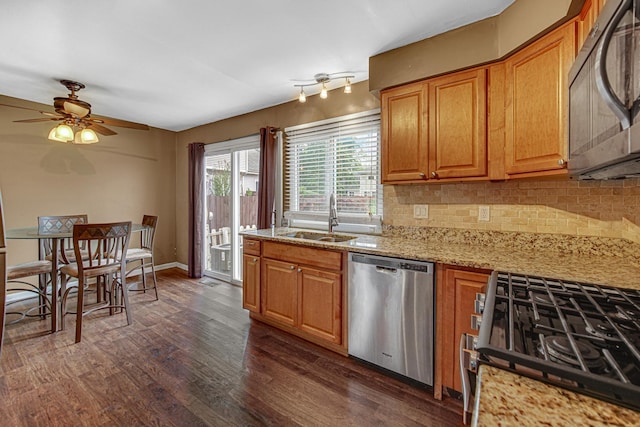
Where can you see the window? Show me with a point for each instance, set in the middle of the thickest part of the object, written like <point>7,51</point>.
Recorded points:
<point>339,156</point>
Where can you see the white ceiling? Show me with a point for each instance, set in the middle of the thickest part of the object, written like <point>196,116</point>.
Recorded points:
<point>179,64</point>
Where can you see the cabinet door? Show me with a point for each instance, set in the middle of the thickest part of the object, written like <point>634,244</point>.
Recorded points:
<point>280,284</point>
<point>251,282</point>
<point>459,294</point>
<point>586,19</point>
<point>457,125</point>
<point>536,104</point>
<point>404,139</point>
<point>319,303</point>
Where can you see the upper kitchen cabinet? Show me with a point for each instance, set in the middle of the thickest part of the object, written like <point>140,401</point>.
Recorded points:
<point>587,18</point>
<point>435,130</point>
<point>404,134</point>
<point>536,105</point>
<point>457,125</point>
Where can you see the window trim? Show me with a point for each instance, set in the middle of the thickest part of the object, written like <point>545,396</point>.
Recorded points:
<point>349,222</point>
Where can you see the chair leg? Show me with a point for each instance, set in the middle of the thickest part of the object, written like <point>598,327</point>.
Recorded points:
<point>54,304</point>
<point>63,300</point>
<point>79,309</point>
<point>125,295</point>
<point>144,278</point>
<point>155,282</point>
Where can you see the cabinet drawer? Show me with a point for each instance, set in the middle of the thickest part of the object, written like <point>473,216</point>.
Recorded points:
<point>322,258</point>
<point>251,247</point>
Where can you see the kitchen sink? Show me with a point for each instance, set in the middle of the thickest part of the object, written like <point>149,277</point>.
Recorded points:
<point>319,237</point>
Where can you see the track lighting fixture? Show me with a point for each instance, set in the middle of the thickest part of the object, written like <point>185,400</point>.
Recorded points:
<point>323,79</point>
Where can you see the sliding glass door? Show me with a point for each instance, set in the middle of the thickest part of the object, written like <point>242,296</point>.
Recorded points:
<point>231,177</point>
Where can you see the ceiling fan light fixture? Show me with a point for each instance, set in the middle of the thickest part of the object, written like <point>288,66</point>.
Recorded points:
<point>52,136</point>
<point>87,136</point>
<point>75,109</point>
<point>64,133</point>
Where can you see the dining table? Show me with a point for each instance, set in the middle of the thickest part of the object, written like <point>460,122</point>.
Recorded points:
<point>56,237</point>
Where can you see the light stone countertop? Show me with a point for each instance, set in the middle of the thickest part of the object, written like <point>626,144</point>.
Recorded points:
<point>589,268</point>
<point>508,399</point>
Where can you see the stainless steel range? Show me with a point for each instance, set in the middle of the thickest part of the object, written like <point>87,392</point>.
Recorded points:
<point>579,336</point>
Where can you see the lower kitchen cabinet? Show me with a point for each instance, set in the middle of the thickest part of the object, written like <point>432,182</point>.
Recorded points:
<point>456,294</point>
<point>251,282</point>
<point>251,275</point>
<point>320,303</point>
<point>298,289</point>
<point>280,291</point>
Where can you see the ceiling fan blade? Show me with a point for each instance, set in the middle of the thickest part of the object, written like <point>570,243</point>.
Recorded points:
<point>120,123</point>
<point>42,119</point>
<point>28,109</point>
<point>101,129</point>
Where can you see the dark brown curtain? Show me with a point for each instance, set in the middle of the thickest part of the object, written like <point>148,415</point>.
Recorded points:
<point>196,208</point>
<point>267,178</point>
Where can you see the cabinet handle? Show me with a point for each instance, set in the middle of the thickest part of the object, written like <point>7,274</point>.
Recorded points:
<point>434,175</point>
<point>561,162</point>
<point>299,270</point>
<point>250,243</point>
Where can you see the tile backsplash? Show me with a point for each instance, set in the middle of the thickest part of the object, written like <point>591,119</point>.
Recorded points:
<point>558,206</point>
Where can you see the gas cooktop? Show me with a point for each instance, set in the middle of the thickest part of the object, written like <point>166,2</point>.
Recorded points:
<point>581,336</point>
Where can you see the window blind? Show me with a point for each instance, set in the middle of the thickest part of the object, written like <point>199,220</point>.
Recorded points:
<point>339,156</point>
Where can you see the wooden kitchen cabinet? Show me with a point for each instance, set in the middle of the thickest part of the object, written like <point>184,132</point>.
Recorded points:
<point>320,303</point>
<point>251,275</point>
<point>251,282</point>
<point>536,131</point>
<point>302,292</point>
<point>455,298</point>
<point>436,129</point>
<point>457,112</point>
<point>588,15</point>
<point>404,149</point>
<point>280,291</point>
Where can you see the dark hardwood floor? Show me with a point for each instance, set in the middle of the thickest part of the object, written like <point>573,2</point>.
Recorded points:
<point>194,358</point>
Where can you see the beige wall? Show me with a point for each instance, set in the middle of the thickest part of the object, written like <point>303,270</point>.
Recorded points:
<point>477,43</point>
<point>121,177</point>
<point>561,206</point>
<point>280,116</point>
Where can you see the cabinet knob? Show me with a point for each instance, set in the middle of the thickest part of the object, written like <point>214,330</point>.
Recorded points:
<point>255,260</point>
<point>434,175</point>
<point>422,175</point>
<point>299,270</point>
<point>561,162</point>
<point>293,267</point>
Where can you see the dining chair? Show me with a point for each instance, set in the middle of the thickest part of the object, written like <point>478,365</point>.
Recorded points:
<point>15,276</point>
<point>100,251</point>
<point>142,257</point>
<point>57,224</point>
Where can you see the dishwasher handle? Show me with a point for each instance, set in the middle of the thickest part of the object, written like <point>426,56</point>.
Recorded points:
<point>386,270</point>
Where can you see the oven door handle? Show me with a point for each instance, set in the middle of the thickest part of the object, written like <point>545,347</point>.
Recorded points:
<point>466,383</point>
<point>602,79</point>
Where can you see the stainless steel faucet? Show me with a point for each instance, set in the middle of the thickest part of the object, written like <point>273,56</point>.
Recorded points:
<point>333,213</point>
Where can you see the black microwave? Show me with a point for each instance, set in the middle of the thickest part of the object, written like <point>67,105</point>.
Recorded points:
<point>604,97</point>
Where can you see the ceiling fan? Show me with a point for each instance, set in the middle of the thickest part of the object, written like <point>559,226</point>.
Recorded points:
<point>75,113</point>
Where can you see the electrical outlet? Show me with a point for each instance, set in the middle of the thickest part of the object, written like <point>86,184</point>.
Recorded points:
<point>483,213</point>
<point>421,211</point>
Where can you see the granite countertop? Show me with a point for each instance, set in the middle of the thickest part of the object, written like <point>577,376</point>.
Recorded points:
<point>508,399</point>
<point>603,269</point>
<point>505,398</point>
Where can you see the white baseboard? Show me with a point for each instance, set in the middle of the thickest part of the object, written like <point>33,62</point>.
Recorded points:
<point>14,297</point>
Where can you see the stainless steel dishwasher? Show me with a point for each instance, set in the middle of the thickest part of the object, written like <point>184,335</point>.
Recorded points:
<point>391,314</point>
